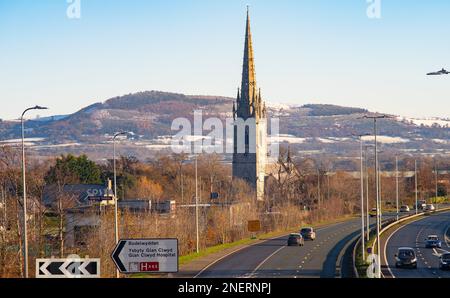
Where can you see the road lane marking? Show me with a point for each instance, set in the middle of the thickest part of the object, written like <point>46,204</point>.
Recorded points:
<point>220,259</point>
<point>386,244</point>
<point>249,246</point>
<point>446,238</point>
<point>334,225</point>
<point>266,259</point>
<point>435,253</point>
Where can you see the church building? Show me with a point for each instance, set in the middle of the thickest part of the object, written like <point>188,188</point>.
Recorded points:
<point>250,164</point>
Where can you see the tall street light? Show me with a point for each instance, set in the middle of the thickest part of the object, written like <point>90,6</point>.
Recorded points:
<point>436,73</point>
<point>375,118</point>
<point>116,221</point>
<point>367,190</point>
<point>415,185</point>
<point>182,182</point>
<point>318,188</point>
<point>363,248</point>
<point>196,205</point>
<point>25,230</point>
<point>396,185</point>
<point>380,180</point>
<point>436,184</point>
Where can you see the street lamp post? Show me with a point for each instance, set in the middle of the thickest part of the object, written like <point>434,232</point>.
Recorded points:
<point>415,185</point>
<point>375,118</point>
<point>196,205</point>
<point>182,182</point>
<point>367,193</point>
<point>436,73</point>
<point>182,161</point>
<point>116,217</point>
<point>367,198</point>
<point>380,189</point>
<point>377,196</point>
<point>25,229</point>
<point>436,185</point>
<point>396,185</point>
<point>318,188</point>
<point>363,248</point>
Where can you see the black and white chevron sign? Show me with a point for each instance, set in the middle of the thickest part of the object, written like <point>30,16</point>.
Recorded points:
<point>68,268</point>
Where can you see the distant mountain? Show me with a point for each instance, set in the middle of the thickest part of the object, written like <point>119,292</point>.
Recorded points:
<point>309,128</point>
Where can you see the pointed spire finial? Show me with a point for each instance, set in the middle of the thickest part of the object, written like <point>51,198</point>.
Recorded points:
<point>249,95</point>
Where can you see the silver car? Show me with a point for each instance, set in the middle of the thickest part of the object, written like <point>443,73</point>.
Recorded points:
<point>430,207</point>
<point>404,208</point>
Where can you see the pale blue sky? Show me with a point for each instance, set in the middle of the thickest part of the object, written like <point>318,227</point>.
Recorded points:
<point>306,51</point>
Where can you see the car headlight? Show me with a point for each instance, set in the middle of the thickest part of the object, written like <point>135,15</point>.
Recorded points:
<point>414,260</point>
<point>397,259</point>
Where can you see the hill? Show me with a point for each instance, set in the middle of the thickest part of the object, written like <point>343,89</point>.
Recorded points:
<point>309,128</point>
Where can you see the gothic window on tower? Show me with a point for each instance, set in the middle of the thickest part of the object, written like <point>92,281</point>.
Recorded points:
<point>247,139</point>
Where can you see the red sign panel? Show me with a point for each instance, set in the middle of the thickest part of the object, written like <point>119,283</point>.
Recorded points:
<point>149,266</point>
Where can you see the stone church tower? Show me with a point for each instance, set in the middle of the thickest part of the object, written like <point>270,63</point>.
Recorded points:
<point>250,165</point>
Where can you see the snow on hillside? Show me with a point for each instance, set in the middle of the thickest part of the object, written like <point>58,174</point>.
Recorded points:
<point>27,141</point>
<point>426,121</point>
<point>285,138</point>
<point>281,106</point>
<point>386,139</point>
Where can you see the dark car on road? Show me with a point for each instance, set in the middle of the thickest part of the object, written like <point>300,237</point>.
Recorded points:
<point>296,240</point>
<point>308,233</point>
<point>406,257</point>
<point>373,212</point>
<point>444,261</point>
<point>421,205</point>
<point>433,241</point>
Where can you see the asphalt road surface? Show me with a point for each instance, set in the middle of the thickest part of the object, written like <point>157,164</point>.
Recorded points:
<point>413,235</point>
<point>323,257</point>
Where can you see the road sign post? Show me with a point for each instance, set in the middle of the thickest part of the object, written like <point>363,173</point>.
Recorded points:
<point>146,256</point>
<point>254,226</point>
<point>72,267</point>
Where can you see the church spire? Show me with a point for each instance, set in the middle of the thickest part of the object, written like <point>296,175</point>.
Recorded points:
<point>248,68</point>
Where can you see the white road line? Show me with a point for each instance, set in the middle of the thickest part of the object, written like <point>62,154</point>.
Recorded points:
<point>275,238</point>
<point>218,260</point>
<point>247,246</point>
<point>445,237</point>
<point>386,244</point>
<point>266,259</point>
